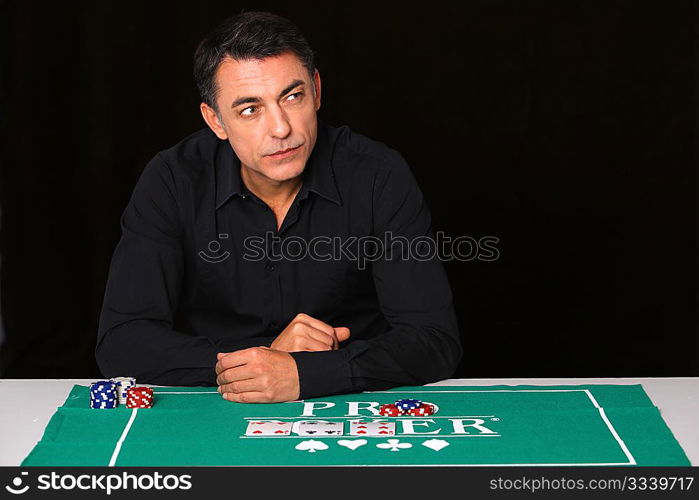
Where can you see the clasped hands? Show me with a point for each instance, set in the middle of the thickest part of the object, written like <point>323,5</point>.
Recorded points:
<point>269,374</point>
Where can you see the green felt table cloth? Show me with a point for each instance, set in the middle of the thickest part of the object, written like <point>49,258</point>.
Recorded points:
<point>615,425</point>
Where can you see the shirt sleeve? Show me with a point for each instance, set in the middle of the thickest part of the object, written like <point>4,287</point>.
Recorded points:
<point>422,344</point>
<point>136,336</point>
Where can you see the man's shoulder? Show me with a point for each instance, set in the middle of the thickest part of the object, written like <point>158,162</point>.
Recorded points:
<point>356,153</point>
<point>192,155</point>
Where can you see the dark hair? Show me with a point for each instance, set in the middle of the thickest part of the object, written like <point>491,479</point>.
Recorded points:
<point>249,35</point>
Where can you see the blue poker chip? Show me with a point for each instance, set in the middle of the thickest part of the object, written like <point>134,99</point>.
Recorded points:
<point>103,394</point>
<point>103,388</point>
<point>103,382</point>
<point>103,404</point>
<point>103,385</point>
<point>408,404</point>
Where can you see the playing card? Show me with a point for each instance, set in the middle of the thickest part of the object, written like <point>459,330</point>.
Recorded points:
<point>372,429</point>
<point>319,429</point>
<point>268,428</point>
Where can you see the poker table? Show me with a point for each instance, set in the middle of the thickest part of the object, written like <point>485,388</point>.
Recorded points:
<point>537,422</point>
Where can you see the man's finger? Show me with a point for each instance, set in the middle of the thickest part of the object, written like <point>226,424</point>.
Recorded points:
<point>316,323</point>
<point>231,359</point>
<point>309,344</point>
<point>342,333</point>
<point>236,373</point>
<point>246,397</point>
<point>321,336</point>
<point>247,385</point>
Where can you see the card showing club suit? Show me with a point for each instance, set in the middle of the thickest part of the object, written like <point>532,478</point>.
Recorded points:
<point>268,428</point>
<point>373,429</point>
<point>319,429</point>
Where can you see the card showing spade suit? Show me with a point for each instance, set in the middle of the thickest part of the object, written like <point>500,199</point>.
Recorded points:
<point>319,429</point>
<point>380,429</point>
<point>268,428</point>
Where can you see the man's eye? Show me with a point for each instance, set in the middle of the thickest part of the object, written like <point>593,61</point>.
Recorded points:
<point>249,111</point>
<point>295,96</point>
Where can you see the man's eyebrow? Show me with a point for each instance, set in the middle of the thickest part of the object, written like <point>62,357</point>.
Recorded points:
<point>291,87</point>
<point>254,100</point>
<point>244,100</point>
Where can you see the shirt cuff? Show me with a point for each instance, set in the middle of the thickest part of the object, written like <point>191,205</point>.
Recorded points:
<point>230,345</point>
<point>323,373</point>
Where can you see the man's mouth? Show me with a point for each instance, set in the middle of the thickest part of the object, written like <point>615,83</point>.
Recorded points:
<point>284,153</point>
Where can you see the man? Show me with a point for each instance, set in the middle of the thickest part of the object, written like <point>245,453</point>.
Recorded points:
<point>207,286</point>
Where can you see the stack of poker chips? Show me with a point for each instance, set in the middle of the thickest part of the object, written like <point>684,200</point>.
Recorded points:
<point>122,385</point>
<point>103,394</point>
<point>139,397</point>
<point>412,407</point>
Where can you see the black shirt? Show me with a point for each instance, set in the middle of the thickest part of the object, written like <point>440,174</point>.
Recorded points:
<point>186,281</point>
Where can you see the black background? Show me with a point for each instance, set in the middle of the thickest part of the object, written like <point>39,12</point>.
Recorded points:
<point>565,129</point>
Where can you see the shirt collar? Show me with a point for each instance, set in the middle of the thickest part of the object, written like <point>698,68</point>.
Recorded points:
<point>318,175</point>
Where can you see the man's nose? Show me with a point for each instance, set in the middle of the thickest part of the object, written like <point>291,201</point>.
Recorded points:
<point>279,126</point>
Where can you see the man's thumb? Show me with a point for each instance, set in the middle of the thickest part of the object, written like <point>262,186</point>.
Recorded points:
<point>342,333</point>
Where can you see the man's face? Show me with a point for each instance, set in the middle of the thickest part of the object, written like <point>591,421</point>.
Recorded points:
<point>267,109</point>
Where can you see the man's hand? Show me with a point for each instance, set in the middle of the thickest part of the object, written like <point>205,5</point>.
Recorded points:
<point>306,333</point>
<point>257,375</point>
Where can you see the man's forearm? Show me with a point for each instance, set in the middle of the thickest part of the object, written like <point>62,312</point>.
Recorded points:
<point>404,355</point>
<point>153,352</point>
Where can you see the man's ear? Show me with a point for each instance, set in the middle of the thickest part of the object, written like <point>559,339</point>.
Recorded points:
<point>316,86</point>
<point>211,118</point>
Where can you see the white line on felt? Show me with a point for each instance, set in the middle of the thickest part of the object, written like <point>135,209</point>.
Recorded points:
<point>117,448</point>
<point>592,398</point>
<point>626,451</point>
<point>632,460</point>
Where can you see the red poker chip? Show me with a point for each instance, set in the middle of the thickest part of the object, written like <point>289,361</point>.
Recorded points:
<point>422,410</point>
<point>139,397</point>
<point>140,390</point>
<point>390,410</point>
<point>138,404</point>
